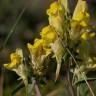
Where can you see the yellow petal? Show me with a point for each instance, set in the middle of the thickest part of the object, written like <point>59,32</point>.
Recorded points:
<point>48,34</point>
<point>9,66</point>
<point>48,51</point>
<point>29,46</point>
<point>38,42</point>
<point>16,59</point>
<point>80,14</point>
<point>84,36</point>
<point>88,35</point>
<point>80,8</point>
<point>54,8</point>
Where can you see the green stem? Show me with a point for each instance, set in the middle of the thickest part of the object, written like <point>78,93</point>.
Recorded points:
<point>18,87</point>
<point>78,94</point>
<point>71,88</point>
<point>13,27</point>
<point>83,81</point>
<point>84,76</point>
<point>91,91</point>
<point>37,90</point>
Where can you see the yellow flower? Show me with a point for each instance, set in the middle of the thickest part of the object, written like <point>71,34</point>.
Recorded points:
<point>48,34</point>
<point>17,65</point>
<point>88,35</point>
<point>80,14</point>
<point>38,52</point>
<point>38,48</point>
<point>15,61</point>
<point>82,18</point>
<point>54,8</point>
<point>56,17</point>
<point>50,37</point>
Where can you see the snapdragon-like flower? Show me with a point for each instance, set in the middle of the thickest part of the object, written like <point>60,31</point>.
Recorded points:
<point>80,13</point>
<point>80,20</point>
<point>50,37</point>
<point>55,7</point>
<point>38,48</point>
<point>17,65</point>
<point>16,60</point>
<point>38,53</point>
<point>56,17</point>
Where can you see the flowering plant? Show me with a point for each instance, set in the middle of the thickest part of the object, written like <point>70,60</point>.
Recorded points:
<point>68,40</point>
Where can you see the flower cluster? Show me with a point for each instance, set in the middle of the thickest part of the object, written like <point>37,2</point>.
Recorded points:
<point>64,32</point>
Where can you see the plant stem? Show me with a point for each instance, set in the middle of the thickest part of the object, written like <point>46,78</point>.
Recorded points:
<point>37,90</point>
<point>82,73</point>
<point>90,89</point>
<point>14,26</point>
<point>71,89</point>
